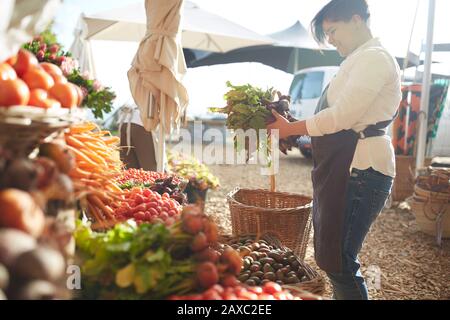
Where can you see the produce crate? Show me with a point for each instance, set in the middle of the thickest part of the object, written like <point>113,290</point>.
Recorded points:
<point>287,216</point>
<point>311,283</point>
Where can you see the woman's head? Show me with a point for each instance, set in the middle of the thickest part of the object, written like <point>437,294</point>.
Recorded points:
<point>343,24</point>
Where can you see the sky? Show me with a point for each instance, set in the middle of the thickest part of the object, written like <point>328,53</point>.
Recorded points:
<point>392,21</point>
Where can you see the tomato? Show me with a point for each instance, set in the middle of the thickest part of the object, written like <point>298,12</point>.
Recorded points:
<point>152,205</point>
<point>12,61</point>
<point>51,68</point>
<point>64,93</point>
<point>7,72</point>
<point>13,92</point>
<point>58,78</point>
<point>25,61</point>
<point>80,95</point>
<point>37,96</point>
<point>38,79</point>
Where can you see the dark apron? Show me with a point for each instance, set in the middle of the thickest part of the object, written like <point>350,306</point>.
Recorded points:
<point>332,156</point>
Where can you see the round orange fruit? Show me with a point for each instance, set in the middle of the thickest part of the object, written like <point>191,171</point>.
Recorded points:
<point>7,72</point>
<point>25,60</point>
<point>13,92</point>
<point>65,93</point>
<point>38,79</point>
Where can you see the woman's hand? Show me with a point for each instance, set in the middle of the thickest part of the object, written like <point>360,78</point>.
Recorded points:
<point>281,124</point>
<point>286,128</point>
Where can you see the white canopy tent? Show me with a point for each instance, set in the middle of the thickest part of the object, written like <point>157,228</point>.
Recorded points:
<point>201,30</point>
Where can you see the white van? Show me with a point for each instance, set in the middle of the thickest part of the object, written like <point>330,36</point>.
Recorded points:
<point>306,90</point>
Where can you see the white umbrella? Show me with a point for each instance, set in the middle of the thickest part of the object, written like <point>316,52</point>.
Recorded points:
<point>157,71</point>
<point>201,30</point>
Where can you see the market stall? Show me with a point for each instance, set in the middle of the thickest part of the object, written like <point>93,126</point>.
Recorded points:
<point>67,200</point>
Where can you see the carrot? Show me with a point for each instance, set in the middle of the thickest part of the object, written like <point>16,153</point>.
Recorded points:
<point>96,146</point>
<point>111,140</point>
<point>93,156</point>
<point>93,210</point>
<point>78,173</point>
<point>74,142</point>
<point>81,156</point>
<point>85,127</point>
<point>95,201</point>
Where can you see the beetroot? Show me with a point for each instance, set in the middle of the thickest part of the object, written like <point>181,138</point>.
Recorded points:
<point>200,242</point>
<point>207,275</point>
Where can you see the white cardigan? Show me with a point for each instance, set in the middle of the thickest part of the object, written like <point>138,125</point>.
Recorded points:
<point>365,91</point>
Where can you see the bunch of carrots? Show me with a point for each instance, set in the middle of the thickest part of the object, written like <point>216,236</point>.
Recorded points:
<point>97,166</point>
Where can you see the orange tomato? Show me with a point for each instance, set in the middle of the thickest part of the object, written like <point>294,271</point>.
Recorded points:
<point>58,78</point>
<point>51,68</point>
<point>65,93</point>
<point>39,98</point>
<point>12,61</point>
<point>38,79</point>
<point>25,60</point>
<point>13,92</point>
<point>80,95</point>
<point>7,72</point>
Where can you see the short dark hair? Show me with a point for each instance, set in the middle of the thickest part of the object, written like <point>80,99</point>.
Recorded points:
<point>338,10</point>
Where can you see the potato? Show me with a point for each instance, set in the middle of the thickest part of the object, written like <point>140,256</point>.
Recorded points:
<point>4,277</point>
<point>12,244</point>
<point>20,211</point>
<point>20,174</point>
<point>41,263</point>
<point>36,290</point>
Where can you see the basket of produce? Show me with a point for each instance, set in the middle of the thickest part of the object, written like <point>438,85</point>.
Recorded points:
<point>23,128</point>
<point>430,203</point>
<point>285,215</point>
<point>266,260</point>
<point>269,291</point>
<point>199,177</point>
<point>153,261</point>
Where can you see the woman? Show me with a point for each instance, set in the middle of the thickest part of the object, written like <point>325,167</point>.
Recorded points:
<point>354,161</point>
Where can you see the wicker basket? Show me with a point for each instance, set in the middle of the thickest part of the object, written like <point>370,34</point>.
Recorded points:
<point>286,216</point>
<point>404,182</point>
<point>23,128</point>
<point>314,284</point>
<point>429,212</point>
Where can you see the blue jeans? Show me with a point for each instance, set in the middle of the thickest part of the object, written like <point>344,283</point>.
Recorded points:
<point>367,194</point>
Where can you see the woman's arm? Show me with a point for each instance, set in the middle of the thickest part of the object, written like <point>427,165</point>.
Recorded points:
<point>286,128</point>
